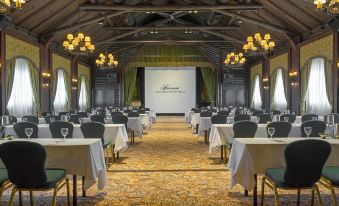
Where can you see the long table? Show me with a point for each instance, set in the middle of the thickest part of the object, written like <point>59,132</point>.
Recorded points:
<point>114,133</point>
<point>252,156</point>
<point>79,157</point>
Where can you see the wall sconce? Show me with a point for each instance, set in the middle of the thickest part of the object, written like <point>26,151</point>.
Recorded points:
<point>294,84</point>
<point>265,79</point>
<point>293,74</point>
<point>74,84</point>
<point>45,85</point>
<point>266,87</point>
<point>74,80</point>
<point>74,88</point>
<point>45,79</point>
<point>293,78</point>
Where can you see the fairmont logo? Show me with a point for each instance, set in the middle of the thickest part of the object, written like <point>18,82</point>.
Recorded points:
<point>166,88</point>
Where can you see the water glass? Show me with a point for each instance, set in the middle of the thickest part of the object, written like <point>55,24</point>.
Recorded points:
<point>286,119</point>
<point>308,131</point>
<point>29,132</point>
<point>24,119</point>
<point>64,132</point>
<point>271,131</point>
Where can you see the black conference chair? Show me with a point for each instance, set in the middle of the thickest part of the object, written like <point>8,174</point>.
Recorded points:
<point>291,118</point>
<point>72,111</point>
<point>133,114</point>
<point>264,118</point>
<point>26,170</point>
<point>147,109</point>
<point>226,113</point>
<point>308,117</point>
<point>244,129</point>
<point>206,114</point>
<point>55,117</point>
<point>141,111</point>
<point>82,114</point>
<point>197,110</point>
<point>127,111</point>
<point>63,113</point>
<point>120,119</point>
<point>44,114</point>
<point>32,119</point>
<point>98,118</point>
<point>257,113</point>
<point>19,129</point>
<point>241,117</point>
<point>317,127</point>
<point>213,110</point>
<point>330,180</point>
<point>304,162</point>
<point>282,129</point>
<point>55,128</point>
<point>116,113</point>
<point>336,117</point>
<point>276,112</point>
<point>97,130</point>
<point>74,118</point>
<point>101,112</point>
<point>219,119</point>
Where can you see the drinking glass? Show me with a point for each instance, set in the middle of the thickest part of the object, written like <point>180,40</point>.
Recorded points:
<point>314,118</point>
<point>24,119</point>
<point>52,119</point>
<point>81,120</point>
<point>308,131</point>
<point>271,131</point>
<point>64,132</point>
<point>258,120</point>
<point>286,119</point>
<point>29,132</point>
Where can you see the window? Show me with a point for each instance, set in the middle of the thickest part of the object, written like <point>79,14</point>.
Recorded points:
<point>256,96</point>
<point>83,96</point>
<point>61,97</point>
<point>21,100</point>
<point>316,96</point>
<point>279,99</point>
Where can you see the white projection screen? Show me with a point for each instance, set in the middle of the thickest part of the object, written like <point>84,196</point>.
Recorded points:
<point>170,90</point>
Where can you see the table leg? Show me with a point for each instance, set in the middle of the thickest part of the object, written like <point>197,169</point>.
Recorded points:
<point>246,193</point>
<point>117,155</point>
<point>222,151</point>
<point>206,137</point>
<point>75,201</point>
<point>196,128</point>
<point>255,191</point>
<point>83,187</point>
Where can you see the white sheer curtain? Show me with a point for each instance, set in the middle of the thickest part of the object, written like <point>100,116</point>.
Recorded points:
<point>21,100</point>
<point>61,98</point>
<point>83,96</point>
<point>279,98</point>
<point>316,96</point>
<point>256,96</point>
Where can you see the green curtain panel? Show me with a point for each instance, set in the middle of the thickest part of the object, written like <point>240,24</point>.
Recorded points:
<point>272,86</point>
<point>329,86</point>
<point>10,69</point>
<point>129,84</point>
<point>35,81</point>
<point>209,78</point>
<point>305,73</point>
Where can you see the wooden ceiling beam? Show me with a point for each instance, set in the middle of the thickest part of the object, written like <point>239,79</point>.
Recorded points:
<point>173,27</point>
<point>233,39</point>
<point>165,41</point>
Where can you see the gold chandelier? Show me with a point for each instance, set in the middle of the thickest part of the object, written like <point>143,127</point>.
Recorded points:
<point>79,44</point>
<point>333,5</point>
<point>106,60</point>
<point>235,58</point>
<point>261,43</point>
<point>6,5</point>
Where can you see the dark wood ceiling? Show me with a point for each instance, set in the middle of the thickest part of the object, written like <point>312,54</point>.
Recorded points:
<point>219,24</point>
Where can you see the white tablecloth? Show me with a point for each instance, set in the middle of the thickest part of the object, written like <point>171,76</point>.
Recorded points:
<point>188,117</point>
<point>83,157</point>
<point>145,121</point>
<point>114,133</point>
<point>222,134</point>
<point>134,124</point>
<point>152,115</point>
<point>251,156</point>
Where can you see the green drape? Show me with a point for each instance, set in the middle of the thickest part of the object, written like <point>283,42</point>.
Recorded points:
<point>10,70</point>
<point>329,85</point>
<point>129,84</point>
<point>34,73</point>
<point>209,78</point>
<point>305,73</point>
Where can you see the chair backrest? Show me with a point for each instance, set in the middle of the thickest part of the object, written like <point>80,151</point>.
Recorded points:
<point>308,117</point>
<point>141,111</point>
<point>147,109</point>
<point>74,118</point>
<point>93,130</point>
<point>317,127</point>
<point>226,113</point>
<point>206,114</point>
<point>19,129</point>
<point>120,119</point>
<point>63,113</point>
<point>213,110</point>
<point>44,114</point>
<point>98,118</point>
<point>2,131</point>
<point>197,110</point>
<point>276,112</point>
<point>48,118</point>
<point>244,129</point>
<point>241,117</point>
<point>264,118</point>
<point>127,111</point>
<point>282,129</point>
<point>291,118</point>
<point>336,117</point>
<point>304,161</point>
<point>32,119</point>
<point>26,169</point>
<point>72,111</point>
<point>116,113</point>
<point>133,114</point>
<point>257,113</point>
<point>82,114</point>
<point>219,119</point>
<point>101,112</point>
<point>55,128</point>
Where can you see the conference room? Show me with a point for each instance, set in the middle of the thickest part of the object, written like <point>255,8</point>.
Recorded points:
<point>169,102</point>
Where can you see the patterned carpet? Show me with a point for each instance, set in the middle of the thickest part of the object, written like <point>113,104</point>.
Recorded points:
<point>169,166</point>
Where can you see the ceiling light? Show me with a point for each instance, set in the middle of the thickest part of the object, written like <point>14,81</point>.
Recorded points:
<point>101,21</point>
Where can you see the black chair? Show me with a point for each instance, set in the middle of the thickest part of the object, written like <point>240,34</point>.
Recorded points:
<point>241,117</point>
<point>133,114</point>
<point>55,128</point>
<point>97,130</point>
<point>219,119</point>
<point>213,110</point>
<point>2,133</point>
<point>98,118</point>
<point>206,114</point>
<point>282,129</point>
<point>308,117</point>
<point>101,112</point>
<point>264,118</point>
<point>197,110</point>
<point>12,119</point>
<point>317,127</point>
<point>26,170</point>
<point>244,129</point>
<point>257,113</point>
<point>330,180</point>
<point>141,111</point>
<point>55,117</point>
<point>72,111</point>
<point>63,113</point>
<point>147,109</point>
<point>116,113</point>
<point>44,114</point>
<point>120,119</point>
<point>82,114</point>
<point>276,112</point>
<point>127,111</point>
<point>19,129</point>
<point>336,117</point>
<point>226,113</point>
<point>32,119</point>
<point>74,118</point>
<point>291,118</point>
<point>304,162</point>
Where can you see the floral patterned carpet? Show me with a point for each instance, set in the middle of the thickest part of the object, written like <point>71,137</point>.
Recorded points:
<point>170,165</point>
